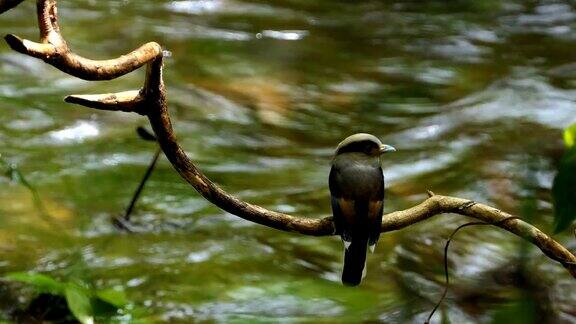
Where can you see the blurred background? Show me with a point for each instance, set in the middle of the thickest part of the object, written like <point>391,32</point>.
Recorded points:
<point>473,94</point>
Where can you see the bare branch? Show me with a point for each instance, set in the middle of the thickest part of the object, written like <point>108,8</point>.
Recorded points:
<point>128,101</point>
<point>54,50</point>
<point>24,46</point>
<point>6,5</point>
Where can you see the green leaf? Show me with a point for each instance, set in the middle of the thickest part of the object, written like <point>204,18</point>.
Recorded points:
<point>41,282</point>
<point>113,297</point>
<point>564,192</point>
<point>570,136</point>
<point>79,301</point>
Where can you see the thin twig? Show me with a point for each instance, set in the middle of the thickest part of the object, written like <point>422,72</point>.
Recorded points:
<point>147,175</point>
<point>17,176</point>
<point>446,274</point>
<point>124,223</point>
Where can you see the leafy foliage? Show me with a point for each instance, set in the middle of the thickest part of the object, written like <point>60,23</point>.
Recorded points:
<point>79,302</point>
<point>84,302</point>
<point>113,297</point>
<point>42,283</point>
<point>564,186</point>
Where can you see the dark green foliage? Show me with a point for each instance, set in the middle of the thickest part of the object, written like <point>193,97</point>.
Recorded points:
<point>45,307</point>
<point>76,297</point>
<point>42,283</point>
<point>564,186</point>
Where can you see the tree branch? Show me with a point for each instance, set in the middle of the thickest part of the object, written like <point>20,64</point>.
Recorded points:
<point>151,101</point>
<point>54,50</point>
<point>128,101</point>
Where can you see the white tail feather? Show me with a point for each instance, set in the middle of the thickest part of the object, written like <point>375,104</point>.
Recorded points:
<point>346,245</point>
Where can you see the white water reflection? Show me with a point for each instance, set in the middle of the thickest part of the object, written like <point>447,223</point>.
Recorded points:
<point>205,7</point>
<point>290,35</point>
<point>196,7</point>
<point>78,132</point>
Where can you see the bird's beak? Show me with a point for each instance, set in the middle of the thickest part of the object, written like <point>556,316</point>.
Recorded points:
<point>386,148</point>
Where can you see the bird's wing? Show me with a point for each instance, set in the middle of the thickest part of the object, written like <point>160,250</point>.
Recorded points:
<point>342,210</point>
<point>375,210</point>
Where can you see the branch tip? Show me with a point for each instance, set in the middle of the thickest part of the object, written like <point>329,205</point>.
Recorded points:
<point>430,193</point>
<point>128,101</point>
<point>16,43</point>
<point>24,46</point>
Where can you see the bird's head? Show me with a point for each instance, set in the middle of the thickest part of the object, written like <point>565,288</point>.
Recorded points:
<point>363,143</point>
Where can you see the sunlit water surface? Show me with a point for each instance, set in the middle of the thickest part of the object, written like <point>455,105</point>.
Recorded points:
<point>473,94</point>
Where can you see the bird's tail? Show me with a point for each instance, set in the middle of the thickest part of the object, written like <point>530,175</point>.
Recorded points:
<point>354,262</point>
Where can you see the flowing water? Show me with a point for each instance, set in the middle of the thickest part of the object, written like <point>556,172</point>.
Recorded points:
<point>473,94</point>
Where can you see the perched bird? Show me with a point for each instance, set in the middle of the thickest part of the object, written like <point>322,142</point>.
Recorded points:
<point>357,191</point>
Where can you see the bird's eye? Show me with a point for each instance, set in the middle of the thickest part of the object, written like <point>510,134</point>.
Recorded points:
<point>367,149</point>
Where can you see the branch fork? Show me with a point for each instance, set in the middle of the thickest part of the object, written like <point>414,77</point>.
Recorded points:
<point>54,50</point>
<point>151,102</point>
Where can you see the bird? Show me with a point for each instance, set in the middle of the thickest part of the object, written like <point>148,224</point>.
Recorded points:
<point>356,184</point>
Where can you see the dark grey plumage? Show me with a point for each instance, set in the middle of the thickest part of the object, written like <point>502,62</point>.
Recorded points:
<point>357,192</point>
